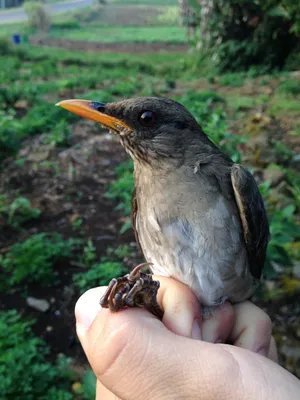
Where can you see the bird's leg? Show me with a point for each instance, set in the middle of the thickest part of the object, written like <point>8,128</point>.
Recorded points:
<point>144,294</point>
<point>136,289</point>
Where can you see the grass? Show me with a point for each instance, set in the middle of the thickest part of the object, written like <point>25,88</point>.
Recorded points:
<point>123,34</point>
<point>281,103</point>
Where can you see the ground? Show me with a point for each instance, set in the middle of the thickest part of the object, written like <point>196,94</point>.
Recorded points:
<point>66,168</point>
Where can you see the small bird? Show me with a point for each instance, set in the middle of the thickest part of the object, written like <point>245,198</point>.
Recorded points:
<point>197,216</point>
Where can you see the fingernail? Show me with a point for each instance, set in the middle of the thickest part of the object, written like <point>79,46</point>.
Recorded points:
<point>262,351</point>
<point>86,309</point>
<point>196,330</point>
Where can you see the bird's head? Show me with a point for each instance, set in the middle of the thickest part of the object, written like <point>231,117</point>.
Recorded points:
<point>148,127</point>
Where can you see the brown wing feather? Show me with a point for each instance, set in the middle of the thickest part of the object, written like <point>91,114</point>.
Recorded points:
<point>253,216</point>
<point>134,210</point>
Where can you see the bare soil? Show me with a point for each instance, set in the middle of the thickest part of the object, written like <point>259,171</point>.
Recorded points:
<point>91,47</point>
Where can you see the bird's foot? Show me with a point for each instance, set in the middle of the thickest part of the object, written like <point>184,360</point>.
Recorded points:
<point>136,289</point>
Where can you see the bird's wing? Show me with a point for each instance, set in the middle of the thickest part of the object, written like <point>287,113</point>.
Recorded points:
<point>134,211</point>
<point>253,216</point>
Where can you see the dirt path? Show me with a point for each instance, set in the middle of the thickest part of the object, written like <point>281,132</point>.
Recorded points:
<point>128,47</point>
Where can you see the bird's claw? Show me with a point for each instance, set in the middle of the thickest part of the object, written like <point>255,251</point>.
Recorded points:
<point>136,289</point>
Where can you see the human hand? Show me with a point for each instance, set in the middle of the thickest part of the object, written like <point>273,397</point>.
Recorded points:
<point>135,356</point>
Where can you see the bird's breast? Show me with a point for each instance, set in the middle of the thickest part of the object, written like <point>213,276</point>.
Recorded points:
<point>191,232</point>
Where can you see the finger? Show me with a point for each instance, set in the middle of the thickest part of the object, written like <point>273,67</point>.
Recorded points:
<point>217,328</point>
<point>252,329</point>
<point>181,307</point>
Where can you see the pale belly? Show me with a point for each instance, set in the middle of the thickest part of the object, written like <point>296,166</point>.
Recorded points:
<point>205,251</point>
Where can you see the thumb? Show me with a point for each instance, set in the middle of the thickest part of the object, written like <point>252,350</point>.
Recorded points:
<point>136,357</point>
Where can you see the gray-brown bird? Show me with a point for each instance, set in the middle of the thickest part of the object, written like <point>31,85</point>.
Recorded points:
<point>198,217</point>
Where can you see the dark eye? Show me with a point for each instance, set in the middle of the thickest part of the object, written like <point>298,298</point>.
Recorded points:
<point>147,118</point>
<point>98,106</point>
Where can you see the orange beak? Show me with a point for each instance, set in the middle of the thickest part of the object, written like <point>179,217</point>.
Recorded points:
<point>87,109</point>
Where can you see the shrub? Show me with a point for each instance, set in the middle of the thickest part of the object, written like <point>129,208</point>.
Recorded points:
<point>250,32</point>
<point>38,16</point>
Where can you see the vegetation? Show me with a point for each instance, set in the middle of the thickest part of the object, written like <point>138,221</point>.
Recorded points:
<point>32,260</point>
<point>249,32</point>
<point>25,372</point>
<point>18,211</point>
<point>113,34</point>
<point>66,185</point>
<point>38,17</point>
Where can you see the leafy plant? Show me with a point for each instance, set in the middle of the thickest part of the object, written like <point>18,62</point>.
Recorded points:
<point>89,253</point>
<point>99,274</point>
<point>17,212</point>
<point>290,86</point>
<point>121,252</point>
<point>25,372</point>
<point>33,259</point>
<point>59,135</point>
<point>283,232</point>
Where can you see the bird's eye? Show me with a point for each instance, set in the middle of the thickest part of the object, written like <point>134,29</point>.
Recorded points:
<point>147,118</point>
<point>98,106</point>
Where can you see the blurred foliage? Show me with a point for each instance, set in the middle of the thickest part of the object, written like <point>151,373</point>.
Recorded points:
<point>24,371</point>
<point>121,190</point>
<point>18,211</point>
<point>290,86</point>
<point>33,259</point>
<point>38,16</point>
<point>241,33</point>
<point>284,231</point>
<point>89,385</point>
<point>101,273</point>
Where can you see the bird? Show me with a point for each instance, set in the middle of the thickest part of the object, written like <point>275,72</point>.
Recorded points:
<point>198,217</point>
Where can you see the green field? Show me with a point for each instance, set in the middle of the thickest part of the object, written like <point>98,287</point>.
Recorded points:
<point>112,34</point>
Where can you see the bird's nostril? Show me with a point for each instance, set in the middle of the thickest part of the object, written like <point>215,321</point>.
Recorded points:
<point>99,106</point>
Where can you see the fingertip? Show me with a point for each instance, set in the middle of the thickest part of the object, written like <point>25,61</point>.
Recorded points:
<point>218,326</point>
<point>253,328</point>
<point>181,307</point>
<point>87,307</point>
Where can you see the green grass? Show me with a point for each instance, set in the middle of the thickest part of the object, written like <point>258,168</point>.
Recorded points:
<point>105,34</point>
<point>280,103</point>
<point>290,86</point>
